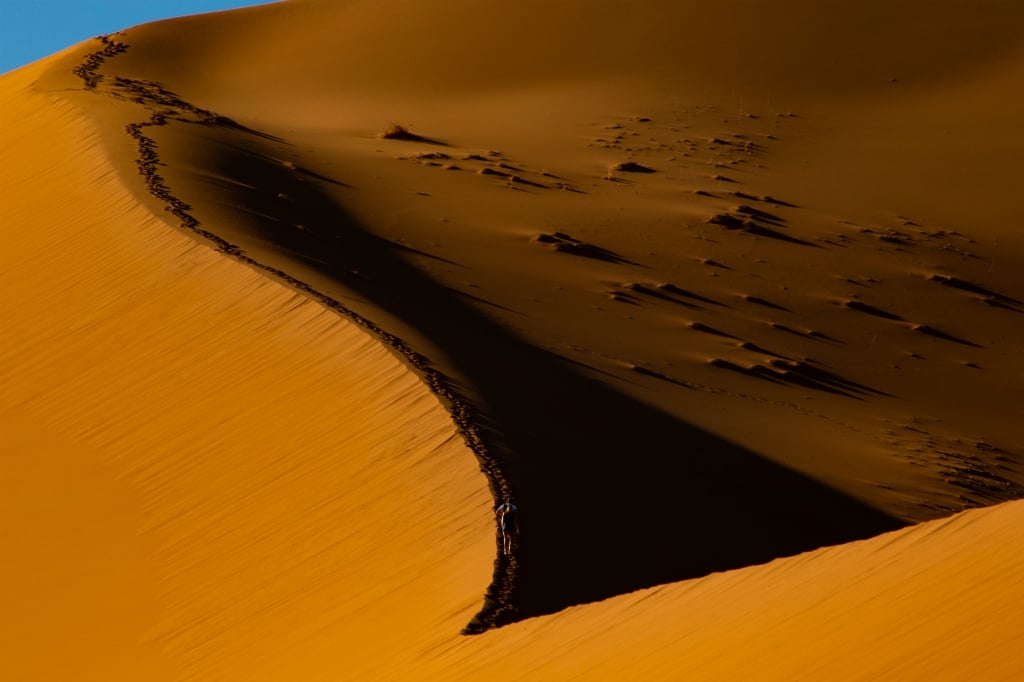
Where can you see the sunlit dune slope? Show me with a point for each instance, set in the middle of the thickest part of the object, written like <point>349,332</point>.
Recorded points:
<point>939,601</point>
<point>203,475</point>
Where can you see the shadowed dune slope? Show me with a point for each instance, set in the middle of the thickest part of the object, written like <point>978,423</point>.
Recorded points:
<point>938,601</point>
<point>553,436</point>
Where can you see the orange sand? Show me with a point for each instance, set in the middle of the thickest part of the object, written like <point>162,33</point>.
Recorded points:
<point>204,475</point>
<point>801,329</point>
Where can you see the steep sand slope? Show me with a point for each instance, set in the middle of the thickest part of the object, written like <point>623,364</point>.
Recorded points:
<point>802,324</point>
<point>203,475</point>
<point>835,354</point>
<point>938,601</point>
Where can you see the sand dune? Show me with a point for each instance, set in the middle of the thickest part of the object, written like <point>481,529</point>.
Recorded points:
<point>205,475</point>
<point>933,602</point>
<point>704,285</point>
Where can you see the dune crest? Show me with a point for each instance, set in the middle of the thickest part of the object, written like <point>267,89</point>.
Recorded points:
<point>936,601</point>
<point>539,444</point>
<point>246,467</point>
<point>703,301</point>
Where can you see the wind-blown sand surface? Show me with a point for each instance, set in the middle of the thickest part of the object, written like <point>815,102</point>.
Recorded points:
<point>704,287</point>
<point>206,476</point>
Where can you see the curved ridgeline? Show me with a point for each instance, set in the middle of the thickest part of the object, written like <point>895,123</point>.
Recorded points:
<point>166,107</point>
<point>615,495</point>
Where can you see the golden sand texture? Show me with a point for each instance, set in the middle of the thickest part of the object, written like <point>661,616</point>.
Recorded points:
<point>205,476</point>
<point>708,286</point>
<point>934,602</point>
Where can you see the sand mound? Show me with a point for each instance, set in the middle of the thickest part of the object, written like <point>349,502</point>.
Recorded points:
<point>937,602</point>
<point>204,475</point>
<point>827,358</point>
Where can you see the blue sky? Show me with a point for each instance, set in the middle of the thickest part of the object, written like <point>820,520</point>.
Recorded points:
<point>32,29</point>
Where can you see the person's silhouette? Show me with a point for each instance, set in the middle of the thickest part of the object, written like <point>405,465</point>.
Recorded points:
<point>506,512</point>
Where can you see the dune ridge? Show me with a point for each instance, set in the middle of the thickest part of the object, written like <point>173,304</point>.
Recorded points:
<point>497,604</point>
<point>935,601</point>
<point>187,446</point>
<point>700,315</point>
<point>567,461</point>
<point>292,213</point>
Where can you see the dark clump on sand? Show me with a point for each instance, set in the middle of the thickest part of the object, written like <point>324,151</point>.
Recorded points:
<point>632,167</point>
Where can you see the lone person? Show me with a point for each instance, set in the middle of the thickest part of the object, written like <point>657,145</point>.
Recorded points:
<point>506,512</point>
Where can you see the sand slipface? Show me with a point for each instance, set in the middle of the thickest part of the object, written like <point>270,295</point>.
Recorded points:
<point>699,311</point>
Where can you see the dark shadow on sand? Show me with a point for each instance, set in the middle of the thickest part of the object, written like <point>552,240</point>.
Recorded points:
<point>614,495</point>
